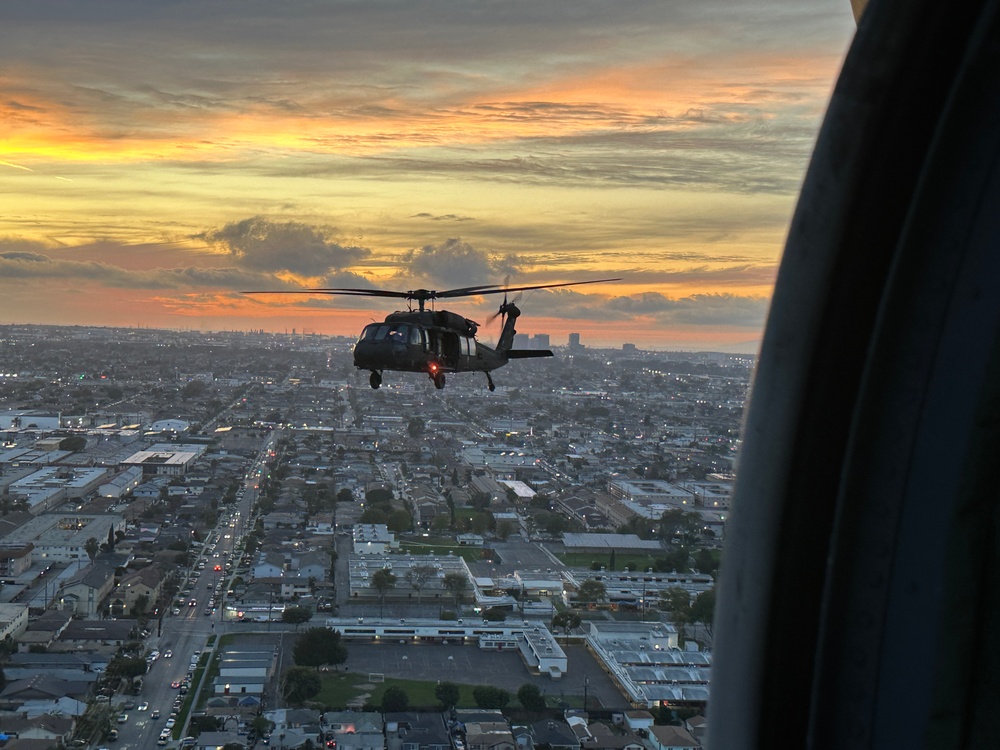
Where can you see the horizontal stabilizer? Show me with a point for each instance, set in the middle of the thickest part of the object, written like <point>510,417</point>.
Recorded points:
<point>528,353</point>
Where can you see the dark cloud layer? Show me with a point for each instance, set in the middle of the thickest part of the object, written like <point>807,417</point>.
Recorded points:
<point>455,263</point>
<point>262,245</point>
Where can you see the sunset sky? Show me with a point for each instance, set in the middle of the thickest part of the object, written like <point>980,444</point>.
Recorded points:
<point>157,157</point>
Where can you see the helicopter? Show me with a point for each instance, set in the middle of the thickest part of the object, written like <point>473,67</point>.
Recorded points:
<point>436,342</point>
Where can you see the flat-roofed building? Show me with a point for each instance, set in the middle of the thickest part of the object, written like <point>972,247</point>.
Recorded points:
<point>121,483</point>
<point>62,537</point>
<point>373,539</point>
<point>51,486</point>
<point>644,661</point>
<point>650,492</point>
<point>15,559</point>
<point>13,620</point>
<point>161,463</point>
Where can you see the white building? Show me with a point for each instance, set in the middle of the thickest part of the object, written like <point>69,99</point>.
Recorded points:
<point>62,537</point>
<point>161,463</point>
<point>373,539</point>
<point>643,659</point>
<point>122,483</point>
<point>51,485</point>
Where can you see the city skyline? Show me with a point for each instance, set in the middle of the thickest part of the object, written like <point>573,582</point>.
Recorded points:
<point>160,158</point>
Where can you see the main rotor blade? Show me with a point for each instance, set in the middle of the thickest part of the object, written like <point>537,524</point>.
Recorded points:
<point>345,292</point>
<point>428,294</point>
<point>475,291</point>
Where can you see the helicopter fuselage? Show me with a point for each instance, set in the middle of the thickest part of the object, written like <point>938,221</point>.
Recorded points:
<point>417,342</point>
<point>435,343</point>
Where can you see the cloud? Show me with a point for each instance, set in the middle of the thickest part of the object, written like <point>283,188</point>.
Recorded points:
<point>262,245</point>
<point>697,309</point>
<point>456,263</point>
<point>443,217</point>
<point>26,265</point>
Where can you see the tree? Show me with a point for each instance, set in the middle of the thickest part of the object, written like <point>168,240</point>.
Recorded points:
<point>677,602</point>
<point>566,621</point>
<point>73,443</point>
<point>204,724</point>
<point>481,522</point>
<point>706,561</point>
<point>399,521</point>
<point>300,684</point>
<point>345,496</point>
<point>494,614</point>
<point>415,427</point>
<point>296,615</point>
<point>703,609</point>
<point>678,525</point>
<point>531,697</point>
<point>591,591</point>
<point>419,575</point>
<point>127,667</point>
<point>193,389</point>
<point>92,547</point>
<point>373,516</point>
<point>447,694</point>
<point>319,646</point>
<point>141,602</point>
<point>383,581</point>
<point>456,583</point>
<point>261,725</point>
<point>395,699</point>
<point>378,496</point>
<point>487,696</point>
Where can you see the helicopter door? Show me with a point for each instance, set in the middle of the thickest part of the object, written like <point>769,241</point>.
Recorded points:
<point>451,348</point>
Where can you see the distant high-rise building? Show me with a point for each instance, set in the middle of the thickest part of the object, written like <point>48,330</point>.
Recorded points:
<point>522,341</point>
<point>574,341</point>
<point>629,348</point>
<point>540,341</point>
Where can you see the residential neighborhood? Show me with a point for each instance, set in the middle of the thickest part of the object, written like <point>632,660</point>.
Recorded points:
<point>181,511</point>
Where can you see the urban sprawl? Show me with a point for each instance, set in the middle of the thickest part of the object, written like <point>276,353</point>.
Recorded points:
<point>230,540</point>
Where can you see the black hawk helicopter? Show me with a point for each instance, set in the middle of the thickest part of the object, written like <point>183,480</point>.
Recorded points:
<point>436,341</point>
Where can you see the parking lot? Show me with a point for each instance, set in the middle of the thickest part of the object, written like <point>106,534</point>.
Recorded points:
<point>471,665</point>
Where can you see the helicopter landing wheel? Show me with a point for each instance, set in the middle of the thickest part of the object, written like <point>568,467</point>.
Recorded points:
<point>489,380</point>
<point>375,380</point>
<point>439,380</point>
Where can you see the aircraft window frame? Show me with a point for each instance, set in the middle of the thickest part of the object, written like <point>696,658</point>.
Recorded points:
<point>416,336</point>
<point>382,333</point>
<point>368,334</point>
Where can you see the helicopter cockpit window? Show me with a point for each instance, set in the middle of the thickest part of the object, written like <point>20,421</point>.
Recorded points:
<point>399,332</point>
<point>381,333</point>
<point>416,337</point>
<point>369,333</point>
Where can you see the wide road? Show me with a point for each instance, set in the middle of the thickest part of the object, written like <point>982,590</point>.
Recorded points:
<point>185,635</point>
